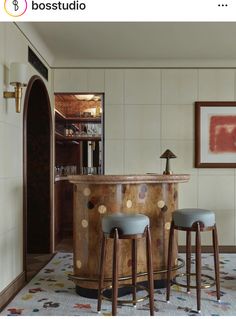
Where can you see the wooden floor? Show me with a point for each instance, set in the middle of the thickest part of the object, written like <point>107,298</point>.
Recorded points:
<point>65,246</point>
<point>35,262</point>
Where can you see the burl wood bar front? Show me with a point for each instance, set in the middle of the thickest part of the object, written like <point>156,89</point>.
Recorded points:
<point>96,195</point>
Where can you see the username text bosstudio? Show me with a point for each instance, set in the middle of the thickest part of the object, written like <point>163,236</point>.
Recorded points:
<point>74,5</point>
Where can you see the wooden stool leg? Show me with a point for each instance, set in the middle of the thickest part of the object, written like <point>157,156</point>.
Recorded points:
<point>101,272</point>
<point>169,261</point>
<point>198,267</point>
<point>134,269</point>
<point>150,270</point>
<point>115,273</point>
<point>216,261</point>
<point>188,259</point>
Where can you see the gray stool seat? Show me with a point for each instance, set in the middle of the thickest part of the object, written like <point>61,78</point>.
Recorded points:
<point>128,224</point>
<point>194,220</point>
<point>188,216</point>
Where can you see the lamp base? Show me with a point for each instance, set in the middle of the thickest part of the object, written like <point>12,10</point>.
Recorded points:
<point>167,173</point>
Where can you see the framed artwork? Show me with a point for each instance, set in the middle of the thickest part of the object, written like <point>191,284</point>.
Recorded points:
<point>215,134</point>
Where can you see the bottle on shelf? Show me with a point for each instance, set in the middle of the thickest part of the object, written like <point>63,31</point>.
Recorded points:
<point>66,130</point>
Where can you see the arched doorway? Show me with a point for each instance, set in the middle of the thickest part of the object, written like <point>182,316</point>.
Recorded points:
<point>37,121</point>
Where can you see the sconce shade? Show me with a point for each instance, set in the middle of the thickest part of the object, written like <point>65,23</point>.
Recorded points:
<point>18,74</point>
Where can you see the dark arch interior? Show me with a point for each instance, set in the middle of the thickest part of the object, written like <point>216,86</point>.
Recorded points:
<point>38,136</point>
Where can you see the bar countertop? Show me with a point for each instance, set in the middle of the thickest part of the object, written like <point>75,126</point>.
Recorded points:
<point>128,179</point>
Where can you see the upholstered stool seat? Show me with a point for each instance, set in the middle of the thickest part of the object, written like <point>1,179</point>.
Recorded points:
<point>131,227</point>
<point>127,224</point>
<point>188,216</point>
<point>194,220</point>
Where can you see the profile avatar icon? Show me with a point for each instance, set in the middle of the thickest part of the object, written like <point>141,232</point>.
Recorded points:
<point>15,8</point>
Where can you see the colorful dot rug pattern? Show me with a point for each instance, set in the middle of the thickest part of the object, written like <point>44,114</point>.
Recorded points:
<point>50,292</point>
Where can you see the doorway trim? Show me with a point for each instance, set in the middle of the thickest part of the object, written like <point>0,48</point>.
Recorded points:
<point>31,82</point>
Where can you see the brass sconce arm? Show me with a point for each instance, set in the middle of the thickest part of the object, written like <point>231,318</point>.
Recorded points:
<point>17,94</point>
<point>9,95</point>
<point>18,79</point>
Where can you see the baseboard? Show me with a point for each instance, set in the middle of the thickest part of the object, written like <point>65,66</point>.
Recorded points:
<point>209,249</point>
<point>11,290</point>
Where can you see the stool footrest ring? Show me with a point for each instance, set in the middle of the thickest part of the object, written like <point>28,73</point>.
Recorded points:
<point>210,283</point>
<point>127,301</point>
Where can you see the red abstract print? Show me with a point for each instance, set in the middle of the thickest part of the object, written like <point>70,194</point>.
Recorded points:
<point>222,134</point>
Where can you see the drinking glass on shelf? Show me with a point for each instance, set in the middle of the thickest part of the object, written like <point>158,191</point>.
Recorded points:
<point>62,171</point>
<point>84,170</point>
<point>66,172</point>
<point>57,171</point>
<point>74,170</point>
<point>93,170</point>
<point>94,129</point>
<point>89,129</point>
<point>88,170</point>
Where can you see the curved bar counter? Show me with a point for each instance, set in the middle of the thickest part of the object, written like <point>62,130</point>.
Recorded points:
<point>95,195</point>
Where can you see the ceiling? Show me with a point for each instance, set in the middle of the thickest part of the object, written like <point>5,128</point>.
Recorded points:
<point>73,105</point>
<point>138,40</point>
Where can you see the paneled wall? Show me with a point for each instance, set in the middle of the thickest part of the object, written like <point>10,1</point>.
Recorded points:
<point>150,110</point>
<point>13,48</point>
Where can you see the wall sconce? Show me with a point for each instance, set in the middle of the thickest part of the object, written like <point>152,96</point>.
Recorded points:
<point>18,79</point>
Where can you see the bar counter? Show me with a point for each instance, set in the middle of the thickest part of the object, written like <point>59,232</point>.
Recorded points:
<point>96,195</point>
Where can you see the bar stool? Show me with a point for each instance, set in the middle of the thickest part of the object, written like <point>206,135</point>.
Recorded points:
<point>194,220</point>
<point>125,226</point>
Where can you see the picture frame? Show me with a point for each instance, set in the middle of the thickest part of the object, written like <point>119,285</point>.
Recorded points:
<point>215,134</point>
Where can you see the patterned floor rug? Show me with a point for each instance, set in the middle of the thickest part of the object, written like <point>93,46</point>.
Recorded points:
<point>51,293</point>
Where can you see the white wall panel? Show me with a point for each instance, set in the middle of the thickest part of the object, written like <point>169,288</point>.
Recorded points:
<point>78,80</point>
<point>114,86</point>
<point>3,203</point>
<point>188,193</point>
<point>3,158</point>
<point>2,40</point>
<point>142,86</point>
<point>96,80</point>
<point>179,86</point>
<point>61,81</point>
<point>70,80</point>
<point>216,171</point>
<point>225,228</point>
<point>16,49</point>
<point>142,121</point>
<point>216,192</point>
<point>114,154</point>
<point>114,129</point>
<point>216,85</point>
<point>6,263</point>
<point>177,122</point>
<point>141,156</point>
